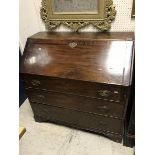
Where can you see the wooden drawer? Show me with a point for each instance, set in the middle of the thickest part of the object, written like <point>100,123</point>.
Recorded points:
<point>80,103</point>
<point>84,88</point>
<point>79,119</point>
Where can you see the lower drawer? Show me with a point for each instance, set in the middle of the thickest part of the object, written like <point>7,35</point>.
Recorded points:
<point>79,119</point>
<point>75,102</point>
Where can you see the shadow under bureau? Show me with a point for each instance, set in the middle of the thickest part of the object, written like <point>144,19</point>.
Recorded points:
<point>81,80</point>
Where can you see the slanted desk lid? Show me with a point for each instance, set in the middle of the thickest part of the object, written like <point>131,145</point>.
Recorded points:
<point>92,57</point>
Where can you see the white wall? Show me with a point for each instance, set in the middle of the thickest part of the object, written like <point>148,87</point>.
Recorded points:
<point>30,21</point>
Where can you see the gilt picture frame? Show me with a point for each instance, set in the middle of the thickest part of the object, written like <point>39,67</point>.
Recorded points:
<point>77,14</point>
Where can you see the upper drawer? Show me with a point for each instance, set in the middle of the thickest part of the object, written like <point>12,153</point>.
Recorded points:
<point>84,88</point>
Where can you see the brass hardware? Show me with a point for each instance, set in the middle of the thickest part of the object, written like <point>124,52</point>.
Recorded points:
<point>104,108</point>
<point>41,98</point>
<point>101,19</point>
<point>104,93</point>
<point>103,123</point>
<point>35,83</point>
<point>115,92</point>
<point>73,44</point>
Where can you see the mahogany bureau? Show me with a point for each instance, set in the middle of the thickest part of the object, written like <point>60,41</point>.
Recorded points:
<point>80,80</point>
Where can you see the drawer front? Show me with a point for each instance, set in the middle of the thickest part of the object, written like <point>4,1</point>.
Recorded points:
<point>79,119</point>
<point>80,103</point>
<point>85,88</point>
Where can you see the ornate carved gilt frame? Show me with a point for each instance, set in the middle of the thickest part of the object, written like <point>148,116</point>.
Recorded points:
<point>101,20</point>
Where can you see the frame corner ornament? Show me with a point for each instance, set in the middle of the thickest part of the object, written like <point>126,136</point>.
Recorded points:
<point>75,25</point>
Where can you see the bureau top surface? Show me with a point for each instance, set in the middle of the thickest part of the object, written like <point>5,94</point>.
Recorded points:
<point>96,57</point>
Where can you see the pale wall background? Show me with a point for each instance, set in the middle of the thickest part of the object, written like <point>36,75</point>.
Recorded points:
<point>30,21</point>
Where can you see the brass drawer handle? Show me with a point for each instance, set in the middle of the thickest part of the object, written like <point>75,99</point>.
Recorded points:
<point>104,93</point>
<point>73,44</point>
<point>35,83</point>
<point>40,98</point>
<point>104,108</point>
<point>103,123</point>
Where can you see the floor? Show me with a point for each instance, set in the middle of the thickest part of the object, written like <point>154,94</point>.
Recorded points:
<point>51,139</point>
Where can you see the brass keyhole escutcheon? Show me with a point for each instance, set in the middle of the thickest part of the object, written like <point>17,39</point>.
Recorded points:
<point>73,44</point>
<point>35,83</point>
<point>104,108</point>
<point>104,93</point>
